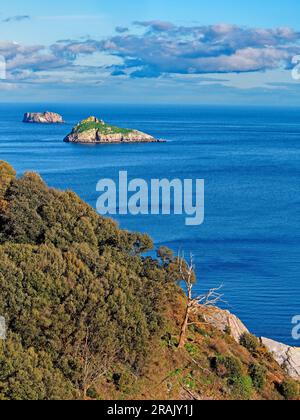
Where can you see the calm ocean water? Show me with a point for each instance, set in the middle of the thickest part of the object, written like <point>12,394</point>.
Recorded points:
<point>250,160</point>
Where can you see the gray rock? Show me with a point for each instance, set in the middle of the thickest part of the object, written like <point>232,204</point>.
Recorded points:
<point>43,118</point>
<point>224,321</point>
<point>287,357</point>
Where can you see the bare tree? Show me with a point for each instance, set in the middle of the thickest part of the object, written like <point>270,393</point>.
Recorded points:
<point>95,366</point>
<point>187,272</point>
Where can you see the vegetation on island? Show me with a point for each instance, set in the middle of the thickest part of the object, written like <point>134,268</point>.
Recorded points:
<point>89,316</point>
<point>101,126</point>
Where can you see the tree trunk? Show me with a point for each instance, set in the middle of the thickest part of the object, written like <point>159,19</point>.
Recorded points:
<point>182,339</point>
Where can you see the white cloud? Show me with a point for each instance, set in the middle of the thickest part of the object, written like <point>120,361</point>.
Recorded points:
<point>223,55</point>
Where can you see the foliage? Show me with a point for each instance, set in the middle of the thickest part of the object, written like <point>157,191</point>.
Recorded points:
<point>7,174</point>
<point>28,374</point>
<point>192,349</point>
<point>258,375</point>
<point>250,342</point>
<point>189,382</point>
<point>169,341</point>
<point>289,389</point>
<point>228,330</point>
<point>227,366</point>
<point>102,127</point>
<point>78,296</point>
<point>242,387</point>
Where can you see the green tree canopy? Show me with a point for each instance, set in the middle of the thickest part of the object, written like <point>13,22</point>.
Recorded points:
<point>76,291</point>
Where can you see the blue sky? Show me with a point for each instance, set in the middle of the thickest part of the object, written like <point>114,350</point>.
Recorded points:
<point>140,51</point>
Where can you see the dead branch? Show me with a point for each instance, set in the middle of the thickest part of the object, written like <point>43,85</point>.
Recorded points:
<point>210,299</point>
<point>95,366</point>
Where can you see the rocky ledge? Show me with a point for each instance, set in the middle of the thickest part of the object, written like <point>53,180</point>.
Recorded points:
<point>287,357</point>
<point>43,118</point>
<point>92,131</point>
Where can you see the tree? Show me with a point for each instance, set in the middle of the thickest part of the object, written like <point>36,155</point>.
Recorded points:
<point>94,365</point>
<point>187,272</point>
<point>76,291</point>
<point>7,174</point>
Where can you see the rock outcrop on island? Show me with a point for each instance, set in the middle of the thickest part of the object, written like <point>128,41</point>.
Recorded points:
<point>43,118</point>
<point>95,131</point>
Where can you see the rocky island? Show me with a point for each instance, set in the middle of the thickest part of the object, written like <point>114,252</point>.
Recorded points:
<point>92,130</point>
<point>43,118</point>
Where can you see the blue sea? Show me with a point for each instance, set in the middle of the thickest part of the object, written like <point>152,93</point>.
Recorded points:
<point>250,160</point>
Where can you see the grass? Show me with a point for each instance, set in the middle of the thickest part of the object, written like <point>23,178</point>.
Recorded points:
<point>103,128</point>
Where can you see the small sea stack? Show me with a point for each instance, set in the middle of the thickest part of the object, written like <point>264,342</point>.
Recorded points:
<point>43,118</point>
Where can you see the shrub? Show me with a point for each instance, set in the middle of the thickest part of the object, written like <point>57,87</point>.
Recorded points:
<point>227,366</point>
<point>242,387</point>
<point>124,381</point>
<point>258,375</point>
<point>289,389</point>
<point>192,349</point>
<point>219,346</point>
<point>228,330</point>
<point>250,342</point>
<point>189,382</point>
<point>169,341</point>
<point>7,174</point>
<point>92,393</point>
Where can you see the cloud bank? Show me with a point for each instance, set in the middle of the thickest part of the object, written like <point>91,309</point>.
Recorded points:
<point>166,48</point>
<point>152,49</point>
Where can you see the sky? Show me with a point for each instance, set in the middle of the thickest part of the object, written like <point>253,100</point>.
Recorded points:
<point>151,51</point>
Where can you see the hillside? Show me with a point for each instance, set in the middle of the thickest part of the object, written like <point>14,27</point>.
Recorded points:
<point>89,317</point>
